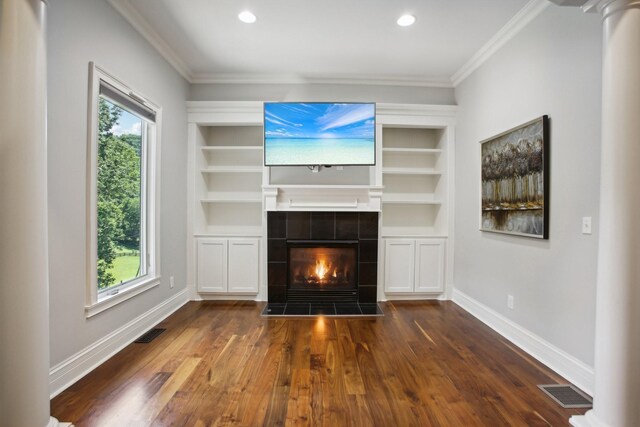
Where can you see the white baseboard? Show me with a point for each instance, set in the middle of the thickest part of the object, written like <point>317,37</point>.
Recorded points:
<point>75,367</point>
<point>577,372</point>
<point>225,297</point>
<point>413,297</point>
<point>55,423</point>
<point>586,420</point>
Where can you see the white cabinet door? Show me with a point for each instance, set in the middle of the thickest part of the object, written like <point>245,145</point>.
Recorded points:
<point>430,265</point>
<point>399,273</point>
<point>211,265</point>
<point>244,265</point>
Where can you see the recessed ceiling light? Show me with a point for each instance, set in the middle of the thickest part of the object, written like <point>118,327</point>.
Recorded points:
<point>406,20</point>
<point>247,17</point>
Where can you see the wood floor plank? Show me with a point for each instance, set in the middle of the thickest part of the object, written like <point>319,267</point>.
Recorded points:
<point>425,363</point>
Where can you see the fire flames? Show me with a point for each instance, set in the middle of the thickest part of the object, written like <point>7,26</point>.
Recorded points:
<point>324,270</point>
<point>322,267</point>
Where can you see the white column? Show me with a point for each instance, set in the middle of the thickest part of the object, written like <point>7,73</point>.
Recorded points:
<point>24,301</point>
<point>617,355</point>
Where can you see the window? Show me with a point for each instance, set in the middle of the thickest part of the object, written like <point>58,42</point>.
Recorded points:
<point>122,240</point>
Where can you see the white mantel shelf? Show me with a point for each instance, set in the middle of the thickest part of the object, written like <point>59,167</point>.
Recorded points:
<point>357,198</point>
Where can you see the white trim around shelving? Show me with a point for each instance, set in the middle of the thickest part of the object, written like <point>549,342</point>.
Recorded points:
<point>574,370</point>
<point>78,365</point>
<point>221,113</point>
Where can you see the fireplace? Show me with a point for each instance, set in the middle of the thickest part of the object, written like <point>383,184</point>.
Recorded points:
<point>322,271</point>
<point>322,257</point>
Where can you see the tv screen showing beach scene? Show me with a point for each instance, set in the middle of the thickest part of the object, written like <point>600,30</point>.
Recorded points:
<point>312,133</point>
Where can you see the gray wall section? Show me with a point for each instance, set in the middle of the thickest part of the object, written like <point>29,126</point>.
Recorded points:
<point>321,93</point>
<point>80,31</point>
<point>552,67</point>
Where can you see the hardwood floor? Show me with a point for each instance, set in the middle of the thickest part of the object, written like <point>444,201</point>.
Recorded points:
<point>221,364</point>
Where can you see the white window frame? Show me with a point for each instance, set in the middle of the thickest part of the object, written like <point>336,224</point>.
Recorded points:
<point>150,229</point>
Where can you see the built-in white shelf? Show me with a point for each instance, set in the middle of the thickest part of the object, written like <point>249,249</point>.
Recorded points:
<point>414,173</point>
<point>412,150</point>
<point>232,198</point>
<point>410,171</point>
<point>409,199</point>
<point>226,230</point>
<point>232,147</point>
<point>321,187</point>
<point>230,189</point>
<point>232,169</point>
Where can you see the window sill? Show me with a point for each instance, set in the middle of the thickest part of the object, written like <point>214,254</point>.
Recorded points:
<point>124,294</point>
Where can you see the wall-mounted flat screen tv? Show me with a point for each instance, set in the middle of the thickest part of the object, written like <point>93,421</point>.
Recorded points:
<point>315,133</point>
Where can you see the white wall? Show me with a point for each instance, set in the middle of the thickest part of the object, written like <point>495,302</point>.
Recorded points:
<point>322,92</point>
<point>80,31</point>
<point>552,67</point>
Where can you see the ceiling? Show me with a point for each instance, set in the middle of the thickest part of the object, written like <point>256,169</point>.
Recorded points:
<point>322,40</point>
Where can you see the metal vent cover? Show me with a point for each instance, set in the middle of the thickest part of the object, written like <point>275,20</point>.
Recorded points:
<point>150,336</point>
<point>567,396</point>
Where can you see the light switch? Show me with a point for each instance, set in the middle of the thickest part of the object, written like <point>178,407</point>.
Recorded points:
<point>586,225</point>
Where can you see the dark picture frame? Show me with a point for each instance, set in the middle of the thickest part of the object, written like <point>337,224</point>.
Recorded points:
<point>515,181</point>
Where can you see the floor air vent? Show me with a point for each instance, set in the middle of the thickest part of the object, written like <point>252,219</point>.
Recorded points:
<point>149,336</point>
<point>567,395</point>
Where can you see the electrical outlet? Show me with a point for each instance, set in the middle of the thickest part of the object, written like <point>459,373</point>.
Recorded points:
<point>510,301</point>
<point>586,225</point>
<point>171,282</point>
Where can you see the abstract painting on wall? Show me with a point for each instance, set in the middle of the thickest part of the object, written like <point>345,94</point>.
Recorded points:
<point>515,181</point>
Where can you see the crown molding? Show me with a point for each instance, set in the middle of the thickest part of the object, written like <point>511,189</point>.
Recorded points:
<point>532,9</point>
<point>141,25</point>
<point>608,7</point>
<point>355,79</point>
<point>513,27</point>
<point>593,6</point>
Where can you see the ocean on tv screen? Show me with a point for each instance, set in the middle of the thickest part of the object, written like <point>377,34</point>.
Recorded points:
<point>319,151</point>
<point>319,134</point>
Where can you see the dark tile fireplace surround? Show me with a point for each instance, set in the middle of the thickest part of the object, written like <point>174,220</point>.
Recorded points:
<point>326,229</point>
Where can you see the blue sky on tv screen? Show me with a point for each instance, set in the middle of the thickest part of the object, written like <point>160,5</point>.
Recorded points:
<point>319,121</point>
